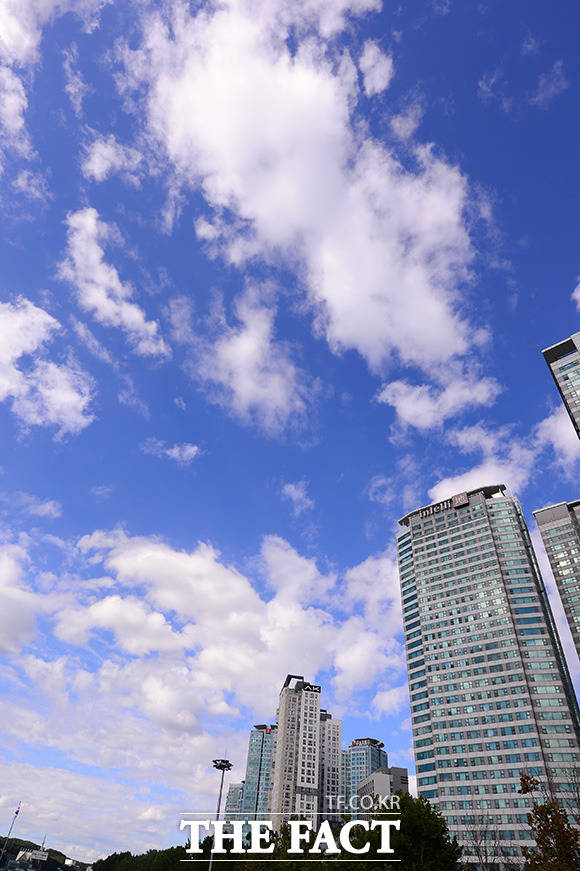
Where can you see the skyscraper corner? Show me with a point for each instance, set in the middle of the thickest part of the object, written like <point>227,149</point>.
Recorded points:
<point>563,361</point>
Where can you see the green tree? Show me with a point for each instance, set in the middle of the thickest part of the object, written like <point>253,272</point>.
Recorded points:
<point>557,841</point>
<point>423,842</point>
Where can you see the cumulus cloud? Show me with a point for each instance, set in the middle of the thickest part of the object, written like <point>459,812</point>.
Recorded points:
<point>23,21</point>
<point>43,393</point>
<point>406,123</point>
<point>426,407</point>
<point>183,453</point>
<point>381,248</point>
<point>556,431</point>
<point>237,632</point>
<point>105,156</point>
<point>173,651</point>
<point>98,287</point>
<point>138,630</point>
<point>19,606</point>
<point>511,459</point>
<point>507,459</point>
<point>376,67</point>
<point>391,700</point>
<point>295,493</point>
<point>251,374</point>
<point>550,86</point>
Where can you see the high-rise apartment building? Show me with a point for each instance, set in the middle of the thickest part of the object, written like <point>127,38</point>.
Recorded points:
<point>330,761</point>
<point>234,800</point>
<point>563,361</point>
<point>361,758</point>
<point>258,782</point>
<point>491,695</point>
<point>307,758</point>
<point>560,530</point>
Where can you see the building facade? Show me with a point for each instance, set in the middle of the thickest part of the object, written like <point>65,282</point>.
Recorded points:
<point>563,361</point>
<point>490,691</point>
<point>361,758</point>
<point>329,783</point>
<point>297,759</point>
<point>399,779</point>
<point>382,782</point>
<point>234,801</point>
<point>560,530</point>
<point>259,767</point>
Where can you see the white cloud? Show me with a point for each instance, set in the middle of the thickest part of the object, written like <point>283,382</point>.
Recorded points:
<point>22,21</point>
<point>105,156</point>
<point>32,505</point>
<point>295,493</point>
<point>391,700</point>
<point>237,633</point>
<point>406,123</point>
<point>530,45</point>
<point>507,459</point>
<point>19,607</point>
<point>511,459</point>
<point>491,86</point>
<point>426,407</point>
<point>31,184</point>
<point>172,642</point>
<point>138,630</point>
<point>99,811</point>
<point>248,372</point>
<point>75,87</point>
<point>183,453</point>
<point>13,105</point>
<point>43,393</point>
<point>550,86</point>
<point>58,395</point>
<point>556,431</point>
<point>576,294</point>
<point>381,489</point>
<point>294,578</point>
<point>376,67</point>
<point>98,286</point>
<point>380,247</point>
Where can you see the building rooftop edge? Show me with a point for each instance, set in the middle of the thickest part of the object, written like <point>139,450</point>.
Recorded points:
<point>572,504</point>
<point>489,489</point>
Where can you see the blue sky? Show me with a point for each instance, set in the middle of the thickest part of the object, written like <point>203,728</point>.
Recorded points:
<point>272,275</point>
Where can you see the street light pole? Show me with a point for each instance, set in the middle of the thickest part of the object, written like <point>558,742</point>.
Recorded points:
<point>16,812</point>
<point>222,765</point>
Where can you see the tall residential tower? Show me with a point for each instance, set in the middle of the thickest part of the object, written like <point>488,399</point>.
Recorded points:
<point>491,695</point>
<point>563,361</point>
<point>560,529</point>
<point>307,759</point>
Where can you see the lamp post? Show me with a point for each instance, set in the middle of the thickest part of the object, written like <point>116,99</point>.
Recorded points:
<point>16,812</point>
<point>222,765</point>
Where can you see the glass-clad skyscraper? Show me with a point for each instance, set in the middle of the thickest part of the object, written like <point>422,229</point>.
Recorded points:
<point>362,757</point>
<point>491,695</point>
<point>560,529</point>
<point>258,782</point>
<point>563,360</point>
